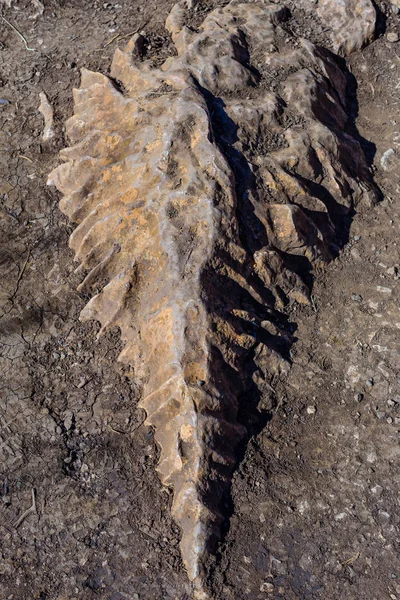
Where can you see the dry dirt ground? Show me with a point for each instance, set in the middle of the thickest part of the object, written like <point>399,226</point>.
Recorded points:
<point>314,511</point>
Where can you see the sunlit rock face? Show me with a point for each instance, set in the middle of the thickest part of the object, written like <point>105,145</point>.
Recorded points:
<point>205,192</point>
<point>348,24</point>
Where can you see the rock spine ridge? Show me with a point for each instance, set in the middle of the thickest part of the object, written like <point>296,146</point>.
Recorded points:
<point>200,190</point>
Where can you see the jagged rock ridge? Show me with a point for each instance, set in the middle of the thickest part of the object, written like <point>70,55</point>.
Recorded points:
<point>202,191</point>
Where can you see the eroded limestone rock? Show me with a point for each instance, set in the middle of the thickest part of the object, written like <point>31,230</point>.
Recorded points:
<point>347,25</point>
<point>351,23</point>
<point>202,190</point>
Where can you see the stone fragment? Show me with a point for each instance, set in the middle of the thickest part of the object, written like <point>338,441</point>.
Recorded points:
<point>392,37</point>
<point>68,419</point>
<point>350,24</point>
<point>268,587</point>
<point>202,191</point>
<point>388,159</point>
<point>48,115</point>
<point>39,9</point>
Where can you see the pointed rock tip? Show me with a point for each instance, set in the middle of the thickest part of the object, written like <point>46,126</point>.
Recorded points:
<point>89,78</point>
<point>199,591</point>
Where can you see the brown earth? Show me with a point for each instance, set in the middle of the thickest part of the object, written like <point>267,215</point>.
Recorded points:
<point>314,512</point>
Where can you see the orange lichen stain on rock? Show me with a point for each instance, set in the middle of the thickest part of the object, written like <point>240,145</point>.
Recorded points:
<point>194,373</point>
<point>129,196</point>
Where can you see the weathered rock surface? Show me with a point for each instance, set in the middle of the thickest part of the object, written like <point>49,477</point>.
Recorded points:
<point>351,24</point>
<point>348,25</point>
<point>203,192</point>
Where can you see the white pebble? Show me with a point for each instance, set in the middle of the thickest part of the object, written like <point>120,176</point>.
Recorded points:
<point>392,37</point>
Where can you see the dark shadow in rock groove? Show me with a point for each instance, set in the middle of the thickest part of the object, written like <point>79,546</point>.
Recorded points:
<point>369,148</point>
<point>253,279</point>
<point>252,232</point>
<point>380,19</point>
<point>340,216</point>
<point>222,294</point>
<point>118,85</point>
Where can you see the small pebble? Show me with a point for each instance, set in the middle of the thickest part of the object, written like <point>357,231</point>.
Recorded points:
<point>389,420</point>
<point>369,382</point>
<point>267,587</point>
<point>311,410</point>
<point>393,271</point>
<point>355,254</point>
<point>383,516</point>
<point>356,298</point>
<point>385,160</point>
<point>4,102</point>
<point>356,238</point>
<point>392,37</point>
<point>68,420</point>
<point>351,572</point>
<point>358,397</point>
<point>380,414</point>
